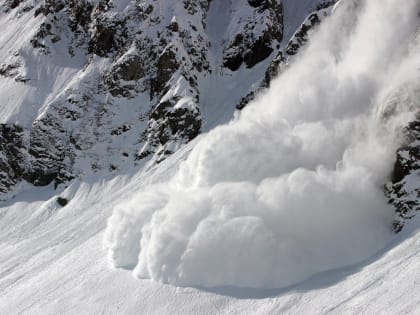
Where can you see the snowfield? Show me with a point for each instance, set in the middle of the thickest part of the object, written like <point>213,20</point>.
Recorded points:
<point>51,262</point>
<point>279,211</point>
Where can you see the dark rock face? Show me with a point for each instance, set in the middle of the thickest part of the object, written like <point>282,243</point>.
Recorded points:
<point>301,36</point>
<point>273,69</point>
<point>13,156</point>
<point>47,153</point>
<point>108,36</point>
<point>165,68</point>
<point>129,68</point>
<point>11,4</point>
<point>260,50</point>
<point>279,62</point>
<point>404,190</point>
<point>250,47</point>
<point>44,31</point>
<point>14,3</point>
<point>80,14</point>
<point>62,201</point>
<point>193,6</point>
<point>408,156</point>
<point>89,26</point>
<point>181,121</point>
<point>37,156</point>
<point>255,3</point>
<point>169,123</point>
<point>13,70</point>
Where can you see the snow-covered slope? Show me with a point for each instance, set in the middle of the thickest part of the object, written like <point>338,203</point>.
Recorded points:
<point>103,87</point>
<point>282,210</point>
<point>51,262</point>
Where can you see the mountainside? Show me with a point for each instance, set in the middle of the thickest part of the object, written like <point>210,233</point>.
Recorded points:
<point>258,156</point>
<point>103,86</point>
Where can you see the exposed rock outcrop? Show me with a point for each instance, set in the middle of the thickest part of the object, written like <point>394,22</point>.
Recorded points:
<point>13,152</point>
<point>255,40</point>
<point>404,190</point>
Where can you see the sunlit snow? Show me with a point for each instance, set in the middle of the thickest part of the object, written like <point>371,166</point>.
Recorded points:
<point>294,185</point>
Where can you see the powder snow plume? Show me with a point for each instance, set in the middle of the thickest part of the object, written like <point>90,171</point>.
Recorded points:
<point>293,185</point>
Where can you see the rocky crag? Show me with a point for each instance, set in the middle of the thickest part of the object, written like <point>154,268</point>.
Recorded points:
<point>142,67</point>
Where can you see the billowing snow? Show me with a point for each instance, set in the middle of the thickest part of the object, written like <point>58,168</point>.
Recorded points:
<point>294,185</point>
<point>51,263</point>
<point>326,140</point>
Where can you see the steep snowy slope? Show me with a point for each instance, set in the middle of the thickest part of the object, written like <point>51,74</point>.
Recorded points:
<point>288,208</point>
<point>51,262</point>
<point>102,87</point>
<point>95,88</point>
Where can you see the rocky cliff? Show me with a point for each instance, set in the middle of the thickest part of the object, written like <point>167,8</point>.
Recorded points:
<point>140,71</point>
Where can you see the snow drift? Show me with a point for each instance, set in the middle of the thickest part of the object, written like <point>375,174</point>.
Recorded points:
<point>294,184</point>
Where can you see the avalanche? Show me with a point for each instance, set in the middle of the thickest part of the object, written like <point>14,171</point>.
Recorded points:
<point>293,186</point>
<point>280,211</point>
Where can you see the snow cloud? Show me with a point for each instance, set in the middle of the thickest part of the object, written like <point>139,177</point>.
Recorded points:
<point>293,185</point>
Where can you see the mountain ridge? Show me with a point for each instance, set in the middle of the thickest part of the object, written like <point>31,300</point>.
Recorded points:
<point>138,77</point>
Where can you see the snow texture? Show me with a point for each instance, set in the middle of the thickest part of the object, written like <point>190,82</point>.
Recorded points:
<point>293,185</point>
<point>104,87</point>
<point>51,263</point>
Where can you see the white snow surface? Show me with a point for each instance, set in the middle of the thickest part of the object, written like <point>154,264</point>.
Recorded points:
<point>294,185</point>
<point>24,102</point>
<point>289,192</point>
<point>51,263</point>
